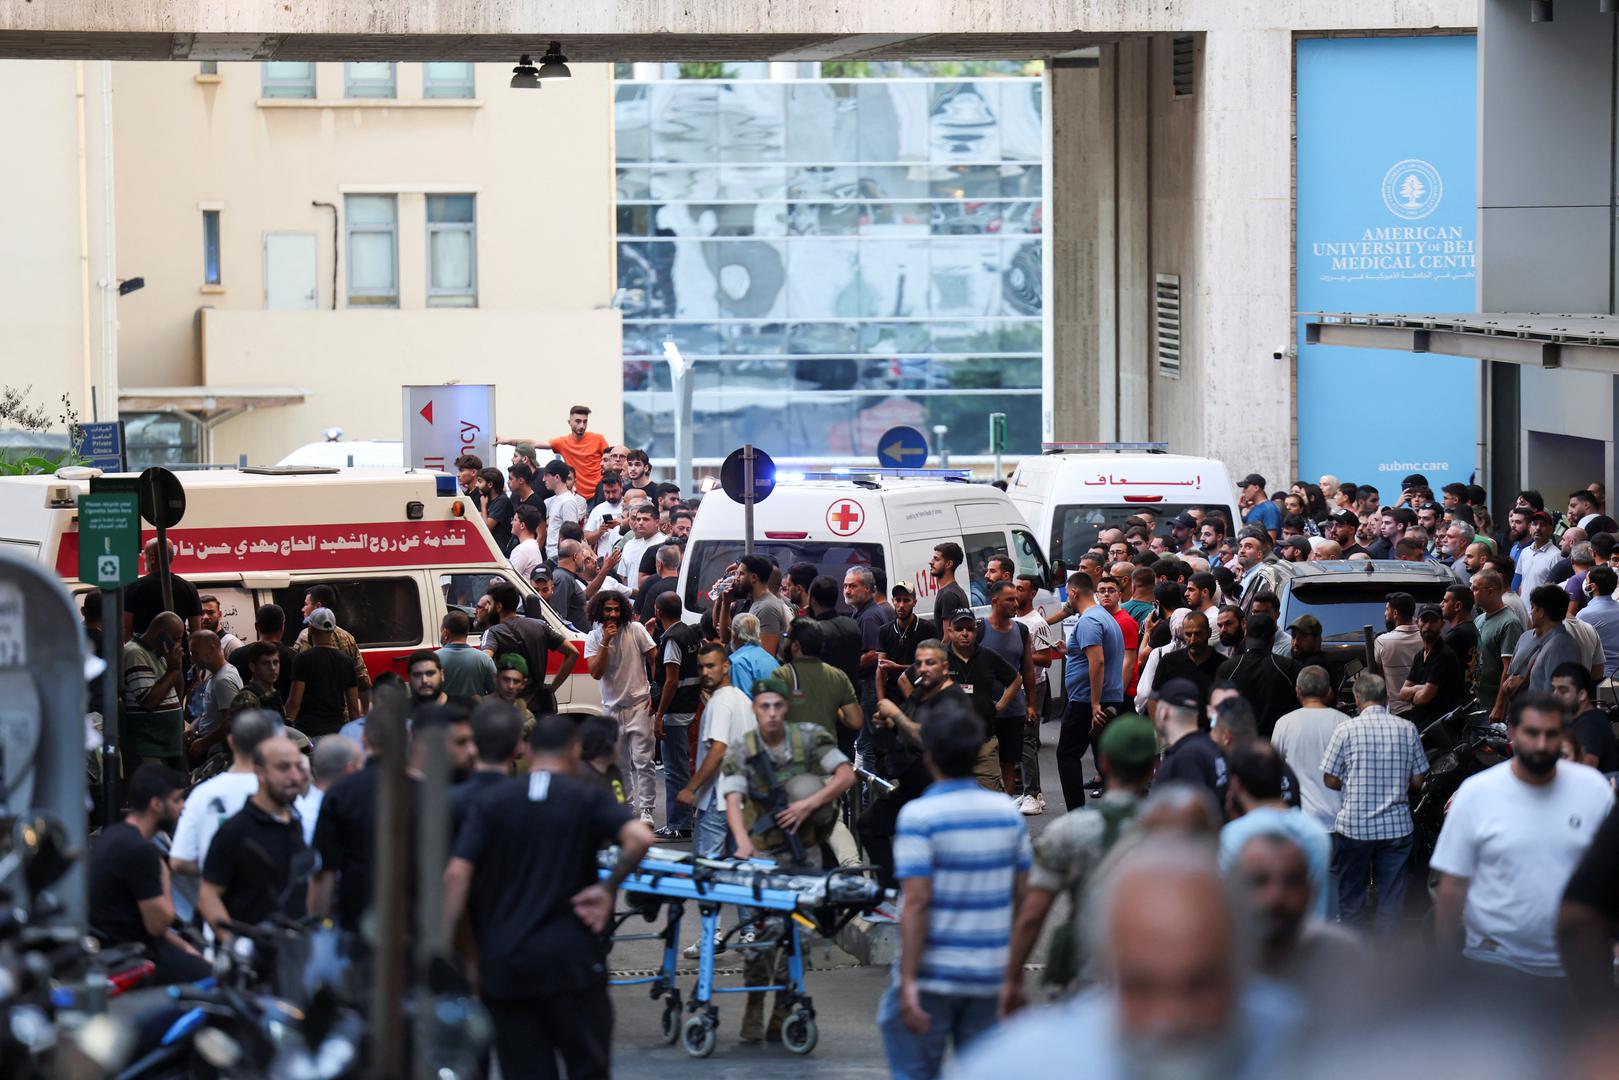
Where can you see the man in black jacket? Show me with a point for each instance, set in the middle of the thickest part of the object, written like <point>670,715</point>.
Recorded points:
<point>1264,679</point>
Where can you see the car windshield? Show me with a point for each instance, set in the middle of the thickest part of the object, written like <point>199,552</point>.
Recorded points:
<point>709,558</point>
<point>1345,607</point>
<point>1074,528</point>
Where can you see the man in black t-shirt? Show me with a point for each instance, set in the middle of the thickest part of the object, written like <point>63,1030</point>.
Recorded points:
<point>897,641</point>
<point>981,673</point>
<point>497,728</point>
<point>1436,683</point>
<point>1590,726</point>
<point>1197,662</point>
<point>951,597</point>
<point>1587,917</point>
<point>532,639</point>
<point>323,681</point>
<point>130,899</point>
<point>144,599</point>
<point>345,838</point>
<point>678,694</point>
<point>270,623</point>
<point>255,866</point>
<point>840,635</point>
<point>538,908</point>
<point>497,508</point>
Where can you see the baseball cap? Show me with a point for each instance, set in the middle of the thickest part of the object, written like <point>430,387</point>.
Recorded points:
<point>1344,516</point>
<point>963,615</point>
<point>1183,521</point>
<point>512,662</point>
<point>322,619</point>
<point>1179,692</point>
<point>1541,515</point>
<point>900,587</point>
<point>1297,543</point>
<point>1415,479</point>
<point>1307,624</point>
<point>1253,479</point>
<point>1428,611</point>
<point>1129,740</point>
<point>540,573</point>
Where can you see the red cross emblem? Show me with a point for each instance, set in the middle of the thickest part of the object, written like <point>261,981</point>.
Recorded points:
<point>845,517</point>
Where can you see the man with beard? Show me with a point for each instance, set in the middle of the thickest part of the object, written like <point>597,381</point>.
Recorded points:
<point>1396,649</point>
<point>130,897</point>
<point>1514,835</point>
<point>1197,662</point>
<point>1176,1000</point>
<point>238,883</point>
<point>1437,681</point>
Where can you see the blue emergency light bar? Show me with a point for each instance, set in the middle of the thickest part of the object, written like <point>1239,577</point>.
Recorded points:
<point>1103,447</point>
<point>958,475</point>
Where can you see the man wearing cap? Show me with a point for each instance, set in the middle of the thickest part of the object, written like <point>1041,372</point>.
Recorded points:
<point>805,762</point>
<point>1183,531</point>
<point>1534,563</point>
<point>1437,682</point>
<point>1069,852</point>
<point>323,681</point>
<point>1342,526</point>
<point>511,683</point>
<point>1189,751</point>
<point>1295,549</point>
<point>1262,511</point>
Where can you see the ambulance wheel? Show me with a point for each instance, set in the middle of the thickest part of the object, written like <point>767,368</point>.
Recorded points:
<point>697,1036</point>
<point>799,1034</point>
<point>670,1026</point>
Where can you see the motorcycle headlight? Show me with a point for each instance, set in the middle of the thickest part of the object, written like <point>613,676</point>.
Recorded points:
<point>217,1048</point>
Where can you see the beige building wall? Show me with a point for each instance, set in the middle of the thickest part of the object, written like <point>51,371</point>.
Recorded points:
<point>51,219</point>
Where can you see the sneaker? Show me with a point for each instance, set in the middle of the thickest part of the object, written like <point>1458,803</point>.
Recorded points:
<point>1032,805</point>
<point>646,816</point>
<point>692,951</point>
<point>745,936</point>
<point>669,832</point>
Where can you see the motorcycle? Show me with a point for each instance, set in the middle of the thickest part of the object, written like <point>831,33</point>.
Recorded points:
<point>1459,744</point>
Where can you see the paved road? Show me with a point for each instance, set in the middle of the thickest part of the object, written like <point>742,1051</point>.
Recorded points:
<point>845,998</point>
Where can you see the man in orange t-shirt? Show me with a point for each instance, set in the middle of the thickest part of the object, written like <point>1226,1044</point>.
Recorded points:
<point>581,449</point>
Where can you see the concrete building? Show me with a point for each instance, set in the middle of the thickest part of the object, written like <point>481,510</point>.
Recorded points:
<point>1169,150</point>
<point>310,236</point>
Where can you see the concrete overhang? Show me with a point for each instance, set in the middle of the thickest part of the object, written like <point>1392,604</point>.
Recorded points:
<point>1578,342</point>
<point>207,404</point>
<point>656,30</point>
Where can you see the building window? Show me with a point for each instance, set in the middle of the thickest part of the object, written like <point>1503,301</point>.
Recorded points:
<point>208,67</point>
<point>289,79</point>
<point>210,247</point>
<point>452,252</point>
<point>446,80</point>
<point>373,250</point>
<point>160,439</point>
<point>369,80</point>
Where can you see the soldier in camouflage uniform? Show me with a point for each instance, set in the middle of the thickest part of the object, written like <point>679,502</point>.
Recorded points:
<point>1068,854</point>
<point>810,773</point>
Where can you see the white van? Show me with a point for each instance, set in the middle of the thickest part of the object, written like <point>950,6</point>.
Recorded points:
<point>370,454</point>
<point>864,519</point>
<point>1074,490</point>
<point>401,549</point>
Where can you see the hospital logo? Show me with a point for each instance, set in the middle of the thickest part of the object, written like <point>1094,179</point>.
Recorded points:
<point>1412,189</point>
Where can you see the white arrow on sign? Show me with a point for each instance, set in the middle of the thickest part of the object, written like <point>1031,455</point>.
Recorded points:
<point>899,450</point>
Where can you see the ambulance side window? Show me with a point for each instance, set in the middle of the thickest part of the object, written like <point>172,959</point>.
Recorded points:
<point>1026,553</point>
<point>980,547</point>
<point>462,591</point>
<point>378,611</point>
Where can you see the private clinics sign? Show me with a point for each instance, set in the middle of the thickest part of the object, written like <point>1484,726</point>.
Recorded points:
<point>1387,148</point>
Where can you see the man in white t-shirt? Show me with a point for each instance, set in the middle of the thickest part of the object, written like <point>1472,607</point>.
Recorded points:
<point>214,800</point>
<point>563,505</point>
<point>1046,645</point>
<point>1301,738</point>
<point>727,716</point>
<point>644,534</point>
<point>526,555</point>
<point>617,650</point>
<point>1510,843</point>
<point>601,527</point>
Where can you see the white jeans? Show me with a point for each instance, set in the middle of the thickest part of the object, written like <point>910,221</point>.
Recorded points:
<point>635,742</point>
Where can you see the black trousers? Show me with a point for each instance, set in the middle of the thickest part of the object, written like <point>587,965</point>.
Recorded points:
<point>532,1033</point>
<point>1072,742</point>
<point>175,965</point>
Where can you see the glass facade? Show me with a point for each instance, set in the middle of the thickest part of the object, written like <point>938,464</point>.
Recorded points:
<point>834,256</point>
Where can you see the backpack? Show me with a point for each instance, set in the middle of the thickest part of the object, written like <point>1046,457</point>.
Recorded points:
<point>1063,956</point>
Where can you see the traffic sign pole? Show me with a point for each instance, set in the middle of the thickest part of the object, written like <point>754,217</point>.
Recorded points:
<point>747,498</point>
<point>112,685</point>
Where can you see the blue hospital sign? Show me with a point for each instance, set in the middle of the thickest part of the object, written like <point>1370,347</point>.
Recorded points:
<point>1387,148</point>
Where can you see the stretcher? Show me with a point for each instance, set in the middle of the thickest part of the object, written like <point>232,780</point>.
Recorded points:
<point>802,900</point>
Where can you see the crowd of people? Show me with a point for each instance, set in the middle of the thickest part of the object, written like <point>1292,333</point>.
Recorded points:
<point>1241,833</point>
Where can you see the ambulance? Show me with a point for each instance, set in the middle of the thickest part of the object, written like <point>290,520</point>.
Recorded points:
<point>889,521</point>
<point>1074,490</point>
<point>401,548</point>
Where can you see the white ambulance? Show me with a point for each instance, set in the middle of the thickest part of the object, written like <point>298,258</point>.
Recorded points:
<point>401,548</point>
<point>1074,490</point>
<point>864,518</point>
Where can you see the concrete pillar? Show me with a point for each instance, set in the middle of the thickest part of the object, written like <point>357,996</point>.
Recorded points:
<point>1241,228</point>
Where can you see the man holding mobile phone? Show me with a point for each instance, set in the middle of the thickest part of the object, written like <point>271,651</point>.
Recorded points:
<point>154,665</point>
<point>601,526</point>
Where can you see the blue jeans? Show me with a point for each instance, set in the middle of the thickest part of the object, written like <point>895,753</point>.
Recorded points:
<point>712,839</point>
<point>957,1019</point>
<point>1385,862</point>
<point>676,769</point>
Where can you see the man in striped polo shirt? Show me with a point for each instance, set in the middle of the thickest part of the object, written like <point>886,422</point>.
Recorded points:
<point>962,857</point>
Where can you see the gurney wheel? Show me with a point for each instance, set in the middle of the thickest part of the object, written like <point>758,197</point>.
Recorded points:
<point>671,1024</point>
<point>799,1034</point>
<point>698,1036</point>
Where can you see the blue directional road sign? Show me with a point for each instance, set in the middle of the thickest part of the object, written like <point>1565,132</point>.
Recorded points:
<point>902,448</point>
<point>733,476</point>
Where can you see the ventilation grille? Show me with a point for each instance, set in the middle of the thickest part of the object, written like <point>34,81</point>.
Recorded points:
<point>1166,318</point>
<point>1185,48</point>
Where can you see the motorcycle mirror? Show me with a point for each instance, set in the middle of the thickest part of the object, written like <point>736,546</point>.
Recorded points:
<point>47,853</point>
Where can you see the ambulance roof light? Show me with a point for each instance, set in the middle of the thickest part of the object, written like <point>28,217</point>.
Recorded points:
<point>1104,447</point>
